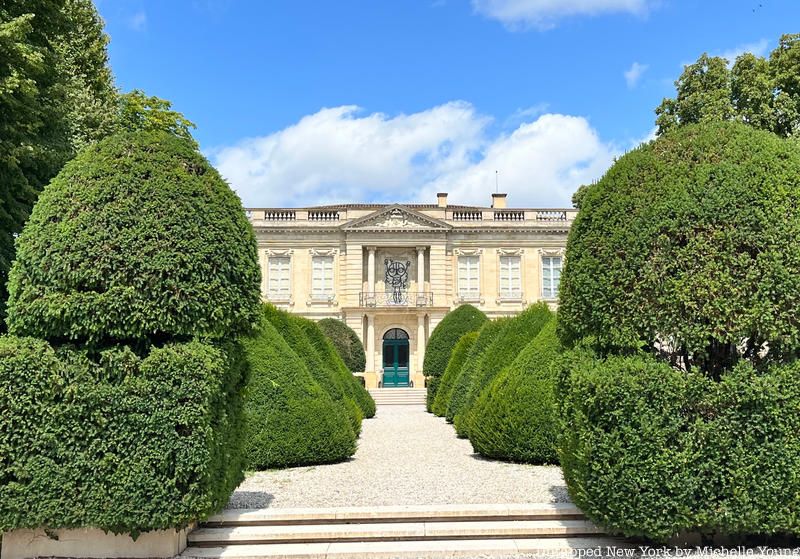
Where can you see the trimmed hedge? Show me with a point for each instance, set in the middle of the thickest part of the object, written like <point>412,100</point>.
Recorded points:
<point>691,238</point>
<point>486,336</point>
<point>451,373</point>
<point>656,452</point>
<point>346,342</point>
<point>290,327</point>
<point>515,417</point>
<point>517,333</point>
<point>117,441</point>
<point>455,324</point>
<point>137,238</point>
<point>291,419</point>
<point>328,354</point>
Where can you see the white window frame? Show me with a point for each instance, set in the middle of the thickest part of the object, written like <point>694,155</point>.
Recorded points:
<point>510,277</point>
<point>469,284</point>
<point>552,273</point>
<point>323,278</point>
<point>275,290</point>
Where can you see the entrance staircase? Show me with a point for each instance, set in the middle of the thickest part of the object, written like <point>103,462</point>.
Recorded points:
<point>397,531</point>
<point>399,396</point>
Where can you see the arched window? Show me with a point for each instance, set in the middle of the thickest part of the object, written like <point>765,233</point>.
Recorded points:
<point>396,334</point>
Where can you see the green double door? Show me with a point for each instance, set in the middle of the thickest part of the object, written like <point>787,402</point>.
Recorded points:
<point>395,359</point>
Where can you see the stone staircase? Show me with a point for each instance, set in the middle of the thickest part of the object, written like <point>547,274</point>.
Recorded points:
<point>399,396</point>
<point>397,531</point>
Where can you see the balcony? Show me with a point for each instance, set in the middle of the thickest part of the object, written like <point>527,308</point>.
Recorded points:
<point>395,299</point>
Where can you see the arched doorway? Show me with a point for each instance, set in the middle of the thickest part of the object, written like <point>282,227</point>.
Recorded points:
<point>395,358</point>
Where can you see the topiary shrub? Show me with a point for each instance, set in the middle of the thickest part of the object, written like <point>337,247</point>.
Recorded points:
<point>461,382</point>
<point>651,451</point>
<point>326,351</point>
<point>291,419</point>
<point>137,238</point>
<point>517,332</point>
<point>117,441</point>
<point>451,373</point>
<point>690,242</point>
<point>346,342</point>
<point>455,324</point>
<point>515,417</point>
<point>291,328</point>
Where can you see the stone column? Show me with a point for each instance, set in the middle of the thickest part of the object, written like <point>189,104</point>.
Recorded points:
<point>371,270</point>
<point>420,343</point>
<point>370,344</point>
<point>420,269</point>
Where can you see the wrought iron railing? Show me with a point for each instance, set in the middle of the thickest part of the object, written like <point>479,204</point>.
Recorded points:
<point>395,299</point>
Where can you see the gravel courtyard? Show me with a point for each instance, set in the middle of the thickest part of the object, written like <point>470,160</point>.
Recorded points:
<point>405,456</point>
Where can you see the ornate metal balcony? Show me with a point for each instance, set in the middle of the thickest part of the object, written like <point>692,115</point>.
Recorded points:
<point>395,299</point>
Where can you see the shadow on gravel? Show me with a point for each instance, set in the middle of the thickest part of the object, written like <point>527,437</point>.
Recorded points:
<point>250,500</point>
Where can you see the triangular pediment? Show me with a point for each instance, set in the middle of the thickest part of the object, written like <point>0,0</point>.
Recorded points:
<point>396,218</point>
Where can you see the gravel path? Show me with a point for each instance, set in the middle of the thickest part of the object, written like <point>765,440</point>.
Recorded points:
<point>405,456</point>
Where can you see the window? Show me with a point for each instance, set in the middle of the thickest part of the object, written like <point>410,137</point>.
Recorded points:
<point>322,277</point>
<point>551,276</point>
<point>510,277</point>
<point>278,278</point>
<point>469,277</point>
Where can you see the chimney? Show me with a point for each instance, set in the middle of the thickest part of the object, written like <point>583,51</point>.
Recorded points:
<point>441,199</point>
<point>499,201</point>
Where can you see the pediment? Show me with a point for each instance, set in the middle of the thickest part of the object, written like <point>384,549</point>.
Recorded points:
<point>396,218</point>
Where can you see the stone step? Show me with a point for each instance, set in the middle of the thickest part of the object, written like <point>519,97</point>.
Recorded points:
<point>411,549</point>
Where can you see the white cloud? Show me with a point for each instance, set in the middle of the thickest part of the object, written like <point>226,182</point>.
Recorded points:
<point>634,74</point>
<point>138,21</point>
<point>759,48</point>
<point>543,14</point>
<point>342,155</point>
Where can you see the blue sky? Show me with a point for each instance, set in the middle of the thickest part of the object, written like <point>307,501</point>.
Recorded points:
<point>300,102</point>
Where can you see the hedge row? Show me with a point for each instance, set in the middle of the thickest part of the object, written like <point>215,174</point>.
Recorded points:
<point>451,373</point>
<point>656,452</point>
<point>515,418</point>
<point>117,441</point>
<point>346,342</point>
<point>291,419</point>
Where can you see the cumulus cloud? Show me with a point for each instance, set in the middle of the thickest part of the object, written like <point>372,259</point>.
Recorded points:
<point>341,154</point>
<point>634,74</point>
<point>544,14</point>
<point>759,48</point>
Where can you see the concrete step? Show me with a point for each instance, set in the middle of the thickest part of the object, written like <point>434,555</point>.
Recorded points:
<point>410,549</point>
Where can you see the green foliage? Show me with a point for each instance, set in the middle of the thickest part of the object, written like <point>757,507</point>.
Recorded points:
<point>517,333</point>
<point>291,419</point>
<point>346,342</point>
<point>137,238</point>
<point>451,373</point>
<point>328,354</point>
<point>117,441</point>
<point>689,244</point>
<point>455,324</point>
<point>461,382</point>
<point>515,417</point>
<point>291,328</point>
<point>653,451</point>
<point>140,112</point>
<point>763,93</point>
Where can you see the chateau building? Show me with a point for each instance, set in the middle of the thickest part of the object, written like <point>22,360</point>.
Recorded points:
<point>392,271</point>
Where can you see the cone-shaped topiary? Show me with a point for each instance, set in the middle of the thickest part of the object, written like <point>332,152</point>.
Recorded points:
<point>137,238</point>
<point>517,333</point>
<point>457,359</point>
<point>515,417</point>
<point>455,324</point>
<point>346,342</point>
<point>328,354</point>
<point>291,419</point>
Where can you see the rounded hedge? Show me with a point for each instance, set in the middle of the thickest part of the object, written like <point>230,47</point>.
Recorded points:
<point>346,342</point>
<point>291,419</point>
<point>689,242</point>
<point>444,337</point>
<point>138,237</point>
<point>515,417</point>
<point>117,441</point>
<point>656,452</point>
<point>457,359</point>
<point>517,332</point>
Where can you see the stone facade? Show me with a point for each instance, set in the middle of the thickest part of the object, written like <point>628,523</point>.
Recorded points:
<point>383,267</point>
